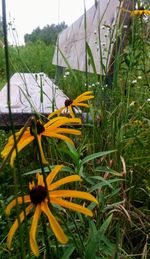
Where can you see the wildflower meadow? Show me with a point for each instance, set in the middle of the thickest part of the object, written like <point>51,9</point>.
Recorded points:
<point>76,183</point>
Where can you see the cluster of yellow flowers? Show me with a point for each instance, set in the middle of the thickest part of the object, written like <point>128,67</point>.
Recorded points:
<point>42,192</point>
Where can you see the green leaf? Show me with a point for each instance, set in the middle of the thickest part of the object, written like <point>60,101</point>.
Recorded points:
<point>95,155</point>
<point>95,237</point>
<point>68,252</point>
<point>90,55</point>
<point>104,183</point>
<point>72,152</point>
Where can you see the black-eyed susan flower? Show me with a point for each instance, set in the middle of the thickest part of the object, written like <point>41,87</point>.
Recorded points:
<point>137,12</point>
<point>70,104</point>
<point>140,12</point>
<point>53,128</point>
<point>38,202</point>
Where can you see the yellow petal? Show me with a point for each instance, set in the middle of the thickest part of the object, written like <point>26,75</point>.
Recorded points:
<point>57,113</point>
<point>16,224</point>
<point>44,161</point>
<point>68,131</point>
<point>40,179</point>
<point>55,226</point>
<point>73,194</point>
<point>147,12</point>
<point>20,145</point>
<point>72,206</point>
<point>68,179</point>
<point>31,185</point>
<point>19,200</point>
<point>71,111</point>
<point>85,93</point>
<point>83,98</point>
<point>82,105</point>
<point>59,136</point>
<point>53,121</point>
<point>53,173</point>
<point>59,121</point>
<point>33,230</point>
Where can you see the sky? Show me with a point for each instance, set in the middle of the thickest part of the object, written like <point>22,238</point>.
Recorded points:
<point>27,15</point>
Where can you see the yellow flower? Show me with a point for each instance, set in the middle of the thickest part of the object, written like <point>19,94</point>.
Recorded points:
<point>38,199</point>
<point>139,12</point>
<point>71,104</point>
<point>53,128</point>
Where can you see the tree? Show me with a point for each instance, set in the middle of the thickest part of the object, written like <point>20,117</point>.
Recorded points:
<point>48,34</point>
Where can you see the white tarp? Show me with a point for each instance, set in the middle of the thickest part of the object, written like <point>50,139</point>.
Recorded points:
<point>31,93</point>
<point>102,21</point>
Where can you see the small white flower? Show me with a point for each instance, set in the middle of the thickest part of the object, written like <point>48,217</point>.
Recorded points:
<point>95,32</point>
<point>67,73</point>
<point>134,81</point>
<point>139,77</point>
<point>132,103</point>
<point>125,26</point>
<point>148,99</point>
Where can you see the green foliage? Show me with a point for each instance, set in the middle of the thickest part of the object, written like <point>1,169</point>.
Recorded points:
<point>48,34</point>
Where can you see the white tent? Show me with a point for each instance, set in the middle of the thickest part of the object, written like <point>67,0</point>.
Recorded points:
<point>31,93</point>
<point>98,27</point>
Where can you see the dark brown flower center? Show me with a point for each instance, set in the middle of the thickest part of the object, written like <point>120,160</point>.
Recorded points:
<point>38,194</point>
<point>141,8</point>
<point>68,102</point>
<point>39,127</point>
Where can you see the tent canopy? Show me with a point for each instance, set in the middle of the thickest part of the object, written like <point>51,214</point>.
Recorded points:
<point>98,28</point>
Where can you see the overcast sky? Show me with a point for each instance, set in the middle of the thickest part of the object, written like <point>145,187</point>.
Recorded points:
<point>29,14</point>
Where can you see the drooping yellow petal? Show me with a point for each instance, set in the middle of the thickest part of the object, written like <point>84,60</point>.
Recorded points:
<point>53,174</point>
<point>83,105</point>
<point>54,121</point>
<point>55,226</point>
<point>68,179</point>
<point>73,194</point>
<point>19,200</point>
<point>16,224</point>
<point>72,206</point>
<point>71,111</point>
<point>33,230</point>
<point>21,144</point>
<point>59,136</point>
<point>60,121</point>
<point>68,131</point>
<point>44,161</point>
